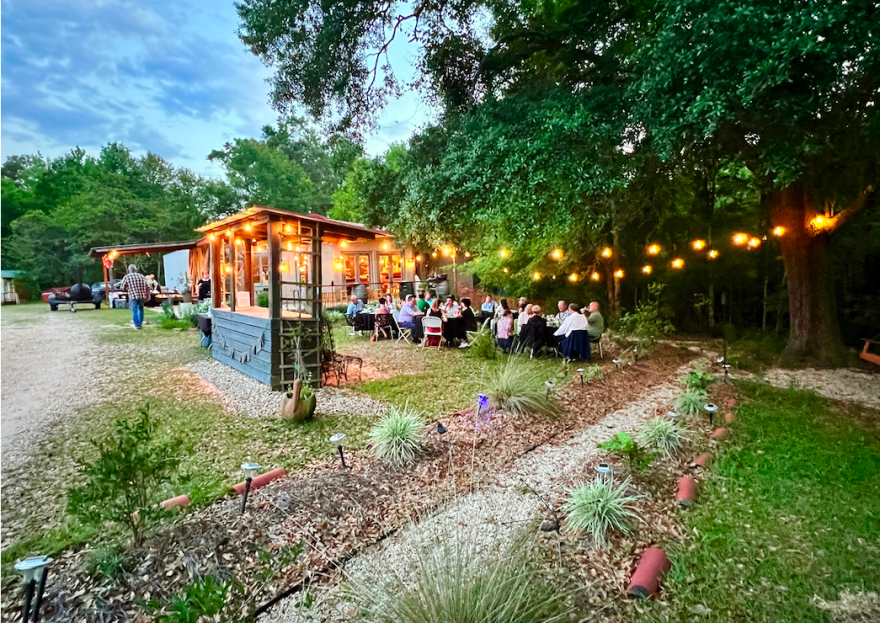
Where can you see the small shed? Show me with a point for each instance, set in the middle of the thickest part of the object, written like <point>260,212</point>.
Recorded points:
<point>282,342</point>
<point>10,296</point>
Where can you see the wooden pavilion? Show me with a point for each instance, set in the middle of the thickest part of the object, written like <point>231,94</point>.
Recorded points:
<point>282,342</point>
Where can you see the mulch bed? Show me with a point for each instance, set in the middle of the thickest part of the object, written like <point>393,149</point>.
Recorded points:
<point>332,512</point>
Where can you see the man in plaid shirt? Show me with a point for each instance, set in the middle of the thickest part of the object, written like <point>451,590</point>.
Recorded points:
<point>138,292</point>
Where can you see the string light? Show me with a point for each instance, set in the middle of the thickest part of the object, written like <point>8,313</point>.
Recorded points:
<point>211,236</point>
<point>698,245</point>
<point>228,232</point>
<point>713,254</point>
<point>819,222</point>
<point>573,277</point>
<point>505,270</point>
<point>247,227</point>
<point>595,276</point>
<point>778,231</point>
<point>288,228</point>
<point>238,241</point>
<point>384,246</point>
<point>754,243</point>
<point>418,258</point>
<point>343,244</point>
<point>557,254</point>
<point>290,246</point>
<point>283,267</point>
<point>740,239</point>
<point>447,251</point>
<point>647,269</point>
<point>618,274</point>
<point>606,252</point>
<point>434,254</point>
<point>536,276</point>
<point>504,253</point>
<point>678,263</point>
<point>653,249</point>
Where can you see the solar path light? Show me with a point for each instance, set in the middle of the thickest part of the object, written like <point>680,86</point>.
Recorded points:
<point>250,470</point>
<point>337,439</point>
<point>711,408</point>
<point>34,572</point>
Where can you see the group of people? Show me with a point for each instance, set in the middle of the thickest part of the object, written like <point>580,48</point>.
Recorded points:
<point>525,323</point>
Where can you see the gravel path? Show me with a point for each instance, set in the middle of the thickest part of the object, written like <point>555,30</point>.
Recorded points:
<point>837,384</point>
<point>492,516</point>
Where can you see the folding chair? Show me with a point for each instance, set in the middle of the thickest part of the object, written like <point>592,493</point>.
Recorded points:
<point>433,327</point>
<point>403,333</point>
<point>598,340</point>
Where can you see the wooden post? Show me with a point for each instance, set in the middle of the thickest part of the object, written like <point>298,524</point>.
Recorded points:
<point>233,260</point>
<point>216,290</point>
<point>248,271</point>
<point>106,283</point>
<point>273,239</point>
<point>316,272</point>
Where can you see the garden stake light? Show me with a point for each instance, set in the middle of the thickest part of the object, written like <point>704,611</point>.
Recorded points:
<point>581,371</point>
<point>30,569</point>
<point>605,471</point>
<point>337,439</point>
<point>441,430</point>
<point>711,409</point>
<point>250,470</point>
<point>674,416</point>
<point>550,385</point>
<point>726,367</point>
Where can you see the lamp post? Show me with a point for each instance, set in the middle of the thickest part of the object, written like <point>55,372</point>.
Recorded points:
<point>711,408</point>
<point>337,439</point>
<point>34,572</point>
<point>250,470</point>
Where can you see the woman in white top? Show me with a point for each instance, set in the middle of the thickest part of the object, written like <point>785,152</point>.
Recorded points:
<point>451,307</point>
<point>523,318</point>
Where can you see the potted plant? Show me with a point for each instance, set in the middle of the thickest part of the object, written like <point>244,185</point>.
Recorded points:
<point>299,402</point>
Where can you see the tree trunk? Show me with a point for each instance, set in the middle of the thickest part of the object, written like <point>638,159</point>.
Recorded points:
<point>815,330</point>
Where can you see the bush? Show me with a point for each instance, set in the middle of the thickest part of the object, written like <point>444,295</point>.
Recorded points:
<point>333,316</point>
<point>599,507</point>
<point>454,580</point>
<point>592,372</point>
<point>515,388</point>
<point>647,325</point>
<point>662,434</point>
<point>482,345</point>
<point>121,486</point>
<point>263,299</point>
<point>203,598</point>
<point>174,323</point>
<point>692,401</point>
<point>399,436</point>
<point>625,447</point>
<point>699,377</point>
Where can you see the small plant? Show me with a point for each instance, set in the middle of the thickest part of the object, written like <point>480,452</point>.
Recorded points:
<point>662,434</point>
<point>203,598</point>
<point>592,372</point>
<point>108,562</point>
<point>453,579</point>
<point>599,507</point>
<point>648,324</point>
<point>399,436</point>
<point>625,447</point>
<point>691,402</point>
<point>263,299</point>
<point>123,483</point>
<point>334,316</point>
<point>699,377</point>
<point>515,388</point>
<point>482,345</point>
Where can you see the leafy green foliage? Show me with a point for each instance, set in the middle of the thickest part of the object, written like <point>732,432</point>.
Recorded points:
<point>624,446</point>
<point>592,372</point>
<point>482,345</point>
<point>512,386</point>
<point>334,316</point>
<point>399,435</point>
<point>699,378</point>
<point>646,325</point>
<point>108,561</point>
<point>203,598</point>
<point>600,507</point>
<point>453,579</point>
<point>691,402</point>
<point>263,299</point>
<point>662,434</point>
<point>123,484</point>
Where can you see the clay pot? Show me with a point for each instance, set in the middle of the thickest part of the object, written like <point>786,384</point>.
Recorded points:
<point>290,400</point>
<point>305,409</point>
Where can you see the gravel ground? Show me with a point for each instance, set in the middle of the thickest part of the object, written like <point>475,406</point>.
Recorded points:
<point>837,384</point>
<point>243,395</point>
<point>493,516</point>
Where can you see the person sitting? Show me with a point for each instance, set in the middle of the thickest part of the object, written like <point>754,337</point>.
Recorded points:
<point>488,308</point>
<point>408,313</point>
<point>354,306</point>
<point>434,311</point>
<point>563,311</point>
<point>383,319</point>
<point>383,306</point>
<point>468,322</point>
<point>538,325</point>
<point>523,319</point>
<point>595,322</point>
<point>422,303</point>
<point>576,321</point>
<point>451,307</point>
<point>505,328</point>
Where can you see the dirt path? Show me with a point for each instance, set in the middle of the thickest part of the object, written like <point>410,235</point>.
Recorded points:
<point>47,366</point>
<point>837,384</point>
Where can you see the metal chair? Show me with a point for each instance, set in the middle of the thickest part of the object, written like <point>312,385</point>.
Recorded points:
<point>383,322</point>
<point>433,327</point>
<point>598,340</point>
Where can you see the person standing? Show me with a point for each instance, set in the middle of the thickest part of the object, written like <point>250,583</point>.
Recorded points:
<point>204,287</point>
<point>138,291</point>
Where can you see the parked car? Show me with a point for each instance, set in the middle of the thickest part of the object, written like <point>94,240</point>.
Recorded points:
<point>51,291</point>
<point>80,293</point>
<point>98,288</point>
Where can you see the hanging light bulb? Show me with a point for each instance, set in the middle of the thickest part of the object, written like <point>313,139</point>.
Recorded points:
<point>754,243</point>
<point>290,246</point>
<point>536,275</point>
<point>557,254</point>
<point>713,254</point>
<point>647,269</point>
<point>504,253</point>
<point>384,246</point>
<point>467,254</point>
<point>447,251</point>
<point>282,267</point>
<point>595,276</point>
<point>607,252</point>
<point>505,270</point>
<point>678,263</point>
<point>343,244</point>
<point>434,254</point>
<point>740,239</point>
<point>698,245</point>
<point>211,237</point>
<point>238,241</point>
<point>288,228</point>
<point>573,277</point>
<point>247,227</point>
<point>418,258</point>
<point>778,231</point>
<point>653,249</point>
<point>619,274</point>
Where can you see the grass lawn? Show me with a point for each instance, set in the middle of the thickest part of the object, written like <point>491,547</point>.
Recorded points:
<point>791,511</point>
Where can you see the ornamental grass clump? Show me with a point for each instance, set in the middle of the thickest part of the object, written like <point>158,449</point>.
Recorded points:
<point>599,507</point>
<point>513,386</point>
<point>691,402</point>
<point>455,579</point>
<point>399,436</point>
<point>662,434</point>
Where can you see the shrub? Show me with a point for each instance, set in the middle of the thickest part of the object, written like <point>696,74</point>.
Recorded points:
<point>453,579</point>
<point>263,299</point>
<point>122,484</point>
<point>647,324</point>
<point>482,345</point>
<point>599,507</point>
<point>333,316</point>
<point>399,435</point>
<point>699,377</point>
<point>625,447</point>
<point>662,434</point>
<point>513,386</point>
<point>692,401</point>
<point>203,598</point>
<point>174,323</point>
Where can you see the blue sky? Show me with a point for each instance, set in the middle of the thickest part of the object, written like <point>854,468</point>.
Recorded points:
<point>168,77</point>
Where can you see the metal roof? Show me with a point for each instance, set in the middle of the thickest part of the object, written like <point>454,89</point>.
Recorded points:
<point>147,247</point>
<point>331,226</point>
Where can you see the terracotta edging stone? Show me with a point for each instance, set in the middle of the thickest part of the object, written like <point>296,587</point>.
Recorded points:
<point>729,417</point>
<point>701,460</point>
<point>687,488</point>
<point>262,480</point>
<point>646,579</point>
<point>731,403</point>
<point>719,433</point>
<point>179,501</point>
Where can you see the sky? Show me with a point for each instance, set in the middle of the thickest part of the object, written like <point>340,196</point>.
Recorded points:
<point>162,76</point>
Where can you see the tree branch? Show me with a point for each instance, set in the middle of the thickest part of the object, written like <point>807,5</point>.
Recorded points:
<point>861,202</point>
<point>384,47</point>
